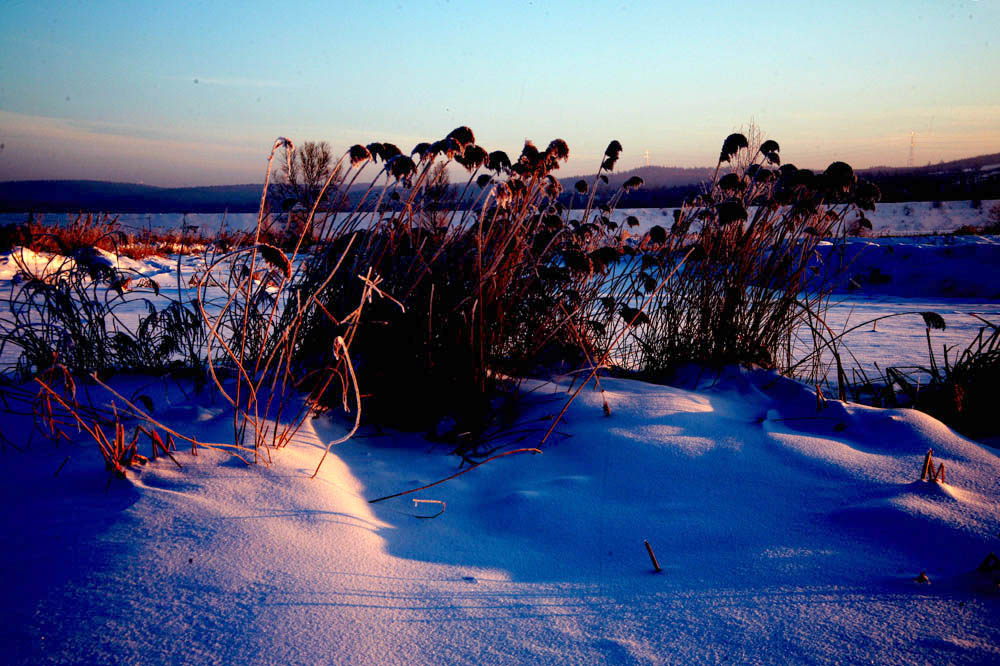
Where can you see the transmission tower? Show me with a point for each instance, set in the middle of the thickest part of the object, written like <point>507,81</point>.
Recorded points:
<point>647,158</point>
<point>913,143</point>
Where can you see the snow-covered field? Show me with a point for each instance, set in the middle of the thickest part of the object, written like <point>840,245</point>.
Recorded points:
<point>913,218</point>
<point>896,219</point>
<point>785,534</point>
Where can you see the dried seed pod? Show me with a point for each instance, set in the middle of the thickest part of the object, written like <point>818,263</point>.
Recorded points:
<point>276,258</point>
<point>733,143</point>
<point>463,135</point>
<point>359,154</point>
<point>632,183</point>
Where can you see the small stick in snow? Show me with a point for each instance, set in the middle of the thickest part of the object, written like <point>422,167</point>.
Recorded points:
<point>61,465</point>
<point>656,565</point>
<point>418,502</point>
<point>457,474</point>
<point>927,473</point>
<point>928,465</point>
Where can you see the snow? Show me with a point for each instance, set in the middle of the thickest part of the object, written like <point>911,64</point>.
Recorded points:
<point>965,267</point>
<point>786,534</point>
<point>39,264</point>
<point>897,219</point>
<point>914,217</point>
<point>25,261</point>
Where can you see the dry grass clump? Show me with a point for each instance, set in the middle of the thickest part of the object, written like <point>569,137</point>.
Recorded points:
<point>70,314</point>
<point>480,293</point>
<point>751,276</point>
<point>962,390</point>
<point>958,390</point>
<point>83,231</point>
<point>420,304</point>
<point>992,226</point>
<point>86,231</point>
<point>80,317</point>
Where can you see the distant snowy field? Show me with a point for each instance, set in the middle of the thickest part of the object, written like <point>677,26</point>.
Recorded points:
<point>897,219</point>
<point>915,217</point>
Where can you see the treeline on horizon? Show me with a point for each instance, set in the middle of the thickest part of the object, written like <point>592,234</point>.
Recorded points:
<point>976,178</point>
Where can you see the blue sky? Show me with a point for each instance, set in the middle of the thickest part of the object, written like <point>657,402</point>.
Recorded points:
<point>180,93</point>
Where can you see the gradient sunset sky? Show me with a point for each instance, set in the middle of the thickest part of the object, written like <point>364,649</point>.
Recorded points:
<point>194,93</point>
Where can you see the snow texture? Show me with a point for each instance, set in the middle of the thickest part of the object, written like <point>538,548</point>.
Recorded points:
<point>785,535</point>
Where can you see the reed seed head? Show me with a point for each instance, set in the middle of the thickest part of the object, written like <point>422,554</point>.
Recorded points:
<point>733,143</point>
<point>462,135</point>
<point>358,154</point>
<point>401,167</point>
<point>633,183</point>
<point>732,183</point>
<point>558,150</point>
<point>839,176</point>
<point>731,211</point>
<point>422,150</point>
<point>498,161</point>
<point>375,149</point>
<point>472,157</point>
<point>551,186</point>
<point>390,150</point>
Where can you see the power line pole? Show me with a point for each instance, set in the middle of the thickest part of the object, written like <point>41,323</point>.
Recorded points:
<point>913,136</point>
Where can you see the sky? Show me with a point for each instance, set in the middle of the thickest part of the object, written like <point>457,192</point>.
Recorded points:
<point>195,93</point>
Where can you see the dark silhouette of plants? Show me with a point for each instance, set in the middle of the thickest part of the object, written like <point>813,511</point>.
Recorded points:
<point>422,304</point>
<point>959,390</point>
<point>69,314</point>
<point>993,226</point>
<point>481,295</point>
<point>752,277</point>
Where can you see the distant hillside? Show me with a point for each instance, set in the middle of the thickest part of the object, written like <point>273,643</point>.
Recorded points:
<point>980,162</point>
<point>970,178</point>
<point>60,196</point>
<point>653,176</point>
<point>966,179</point>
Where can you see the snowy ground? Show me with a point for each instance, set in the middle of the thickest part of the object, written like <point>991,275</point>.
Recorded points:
<point>785,535</point>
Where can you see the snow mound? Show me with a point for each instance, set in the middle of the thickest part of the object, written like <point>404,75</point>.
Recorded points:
<point>785,534</point>
<point>21,260</point>
<point>27,262</point>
